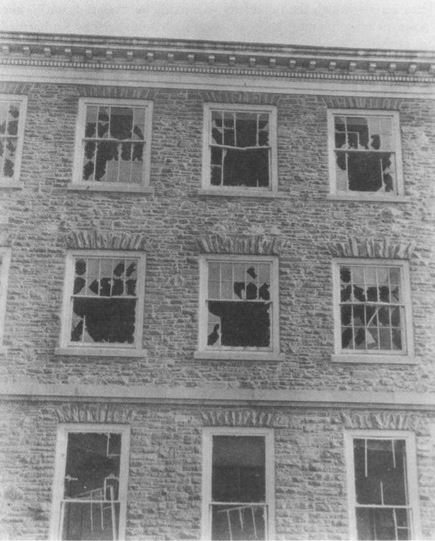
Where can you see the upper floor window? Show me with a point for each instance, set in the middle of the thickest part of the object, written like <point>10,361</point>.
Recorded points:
<point>365,153</point>
<point>373,307</point>
<point>113,143</point>
<point>90,491</point>
<point>238,484</point>
<point>12,115</point>
<point>382,487</point>
<point>240,147</point>
<point>239,304</point>
<point>103,303</point>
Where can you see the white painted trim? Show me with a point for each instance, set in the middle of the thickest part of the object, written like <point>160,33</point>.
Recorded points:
<point>271,353</point>
<point>61,451</point>
<point>235,355</point>
<point>15,182</point>
<point>407,353</point>
<point>215,81</point>
<point>117,349</point>
<point>237,192</point>
<point>207,438</point>
<point>105,187</point>
<point>362,197</point>
<point>100,351</point>
<point>5,258</point>
<point>364,358</point>
<point>206,154</point>
<point>77,180</point>
<point>411,467</point>
<point>399,185</point>
<point>213,394</point>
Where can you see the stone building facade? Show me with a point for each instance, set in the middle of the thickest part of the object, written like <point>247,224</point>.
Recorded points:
<point>217,295</point>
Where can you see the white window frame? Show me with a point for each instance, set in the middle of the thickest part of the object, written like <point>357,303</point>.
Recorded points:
<point>411,470</point>
<point>15,182</point>
<point>374,356</point>
<point>271,353</point>
<point>206,153</point>
<point>67,347</point>
<point>207,448</point>
<point>77,182</point>
<point>5,261</point>
<point>399,185</point>
<point>58,483</point>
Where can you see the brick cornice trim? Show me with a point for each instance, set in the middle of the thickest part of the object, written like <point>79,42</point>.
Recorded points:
<point>362,102</point>
<point>93,240</point>
<point>99,413</point>
<point>386,249</point>
<point>253,245</point>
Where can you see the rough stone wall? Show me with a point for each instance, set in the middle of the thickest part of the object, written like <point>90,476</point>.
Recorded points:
<point>165,470</point>
<point>42,215</point>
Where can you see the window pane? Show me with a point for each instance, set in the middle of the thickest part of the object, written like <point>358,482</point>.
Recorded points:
<point>246,168</point>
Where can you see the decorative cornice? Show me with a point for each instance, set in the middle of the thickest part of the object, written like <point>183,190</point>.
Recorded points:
<point>230,417</point>
<point>386,248</point>
<point>99,413</point>
<point>381,421</point>
<point>93,240</point>
<point>247,59</point>
<point>253,245</point>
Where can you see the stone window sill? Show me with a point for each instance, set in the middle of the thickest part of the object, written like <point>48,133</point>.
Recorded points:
<point>100,352</point>
<point>97,187</point>
<point>361,358</point>
<point>372,197</point>
<point>239,355</point>
<point>11,184</point>
<point>226,192</point>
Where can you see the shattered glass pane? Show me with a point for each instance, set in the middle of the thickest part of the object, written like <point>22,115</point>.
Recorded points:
<point>90,505</point>
<point>246,168</point>
<point>121,122</point>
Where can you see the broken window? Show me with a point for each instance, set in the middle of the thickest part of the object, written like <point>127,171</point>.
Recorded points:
<point>91,486</point>
<point>240,147</point>
<point>372,307</point>
<point>104,300</point>
<point>10,137</point>
<point>114,145</point>
<point>365,153</point>
<point>239,304</point>
<point>383,510</point>
<point>238,505</point>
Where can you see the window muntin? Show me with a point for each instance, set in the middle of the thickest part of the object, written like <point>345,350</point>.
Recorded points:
<point>12,112</point>
<point>366,152</point>
<point>104,300</point>
<point>91,482</point>
<point>240,294</point>
<point>382,486</point>
<point>240,147</point>
<point>238,483</point>
<point>113,145</point>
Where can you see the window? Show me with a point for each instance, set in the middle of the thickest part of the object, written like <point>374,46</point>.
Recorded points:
<point>240,148</point>
<point>373,307</point>
<point>91,482</point>
<point>382,485</point>
<point>365,153</point>
<point>238,484</point>
<point>5,258</point>
<point>113,144</point>
<point>12,115</point>
<point>239,304</point>
<point>103,300</point>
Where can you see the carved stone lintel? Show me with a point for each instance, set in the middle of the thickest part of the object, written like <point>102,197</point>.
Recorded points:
<point>362,102</point>
<point>242,418</point>
<point>253,245</point>
<point>372,248</point>
<point>85,413</point>
<point>381,421</point>
<point>93,240</point>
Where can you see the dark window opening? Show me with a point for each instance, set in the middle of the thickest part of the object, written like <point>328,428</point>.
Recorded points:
<point>238,488</point>
<point>90,504</point>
